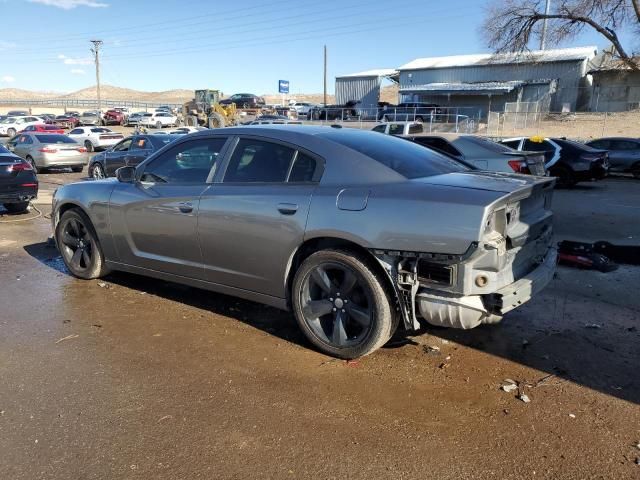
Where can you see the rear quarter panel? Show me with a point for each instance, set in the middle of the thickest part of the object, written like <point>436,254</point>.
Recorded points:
<point>403,216</point>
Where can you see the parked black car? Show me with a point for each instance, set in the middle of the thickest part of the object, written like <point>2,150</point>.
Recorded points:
<point>571,162</point>
<point>129,152</point>
<point>18,182</point>
<point>334,112</point>
<point>624,153</point>
<point>244,100</point>
<point>410,111</point>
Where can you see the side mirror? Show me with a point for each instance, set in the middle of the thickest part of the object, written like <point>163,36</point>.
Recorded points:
<point>126,174</point>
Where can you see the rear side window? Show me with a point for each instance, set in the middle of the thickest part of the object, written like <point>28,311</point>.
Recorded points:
<point>512,143</point>
<point>530,146</point>
<point>403,157</point>
<point>439,144</point>
<point>622,145</point>
<point>305,169</point>
<point>413,129</point>
<point>379,128</point>
<point>396,129</point>
<point>257,161</point>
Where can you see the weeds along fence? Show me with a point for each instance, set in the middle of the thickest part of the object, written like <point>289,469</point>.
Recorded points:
<point>575,125</point>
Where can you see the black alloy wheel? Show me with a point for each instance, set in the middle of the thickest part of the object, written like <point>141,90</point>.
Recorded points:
<point>79,245</point>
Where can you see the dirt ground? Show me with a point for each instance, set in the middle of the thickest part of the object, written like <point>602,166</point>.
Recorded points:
<point>133,378</point>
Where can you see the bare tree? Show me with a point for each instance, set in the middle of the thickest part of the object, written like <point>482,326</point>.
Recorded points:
<point>511,25</point>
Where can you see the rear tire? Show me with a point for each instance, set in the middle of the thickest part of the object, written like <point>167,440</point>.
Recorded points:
<point>341,304</point>
<point>79,245</point>
<point>11,132</point>
<point>33,164</point>
<point>77,168</point>
<point>19,207</point>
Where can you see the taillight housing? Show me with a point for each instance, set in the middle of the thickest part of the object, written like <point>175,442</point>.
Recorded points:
<point>21,167</point>
<point>519,166</point>
<point>82,150</point>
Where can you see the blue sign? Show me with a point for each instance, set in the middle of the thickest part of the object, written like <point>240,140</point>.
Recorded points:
<point>283,86</point>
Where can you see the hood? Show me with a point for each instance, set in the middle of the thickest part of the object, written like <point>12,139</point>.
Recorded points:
<point>489,181</point>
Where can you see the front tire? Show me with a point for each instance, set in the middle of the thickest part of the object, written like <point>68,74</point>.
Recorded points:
<point>158,125</point>
<point>79,246</point>
<point>11,132</point>
<point>341,304</point>
<point>97,172</point>
<point>89,146</point>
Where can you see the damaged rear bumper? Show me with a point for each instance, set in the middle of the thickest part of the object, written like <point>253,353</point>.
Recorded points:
<point>442,309</point>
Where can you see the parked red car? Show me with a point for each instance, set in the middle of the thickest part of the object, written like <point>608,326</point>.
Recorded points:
<point>66,121</point>
<point>114,117</point>
<point>43,128</point>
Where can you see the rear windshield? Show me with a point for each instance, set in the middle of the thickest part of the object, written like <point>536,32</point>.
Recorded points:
<point>488,144</point>
<point>100,130</point>
<point>54,139</point>
<point>159,141</point>
<point>406,158</point>
<point>570,145</point>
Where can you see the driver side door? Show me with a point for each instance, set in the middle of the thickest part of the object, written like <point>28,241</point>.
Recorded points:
<point>154,220</point>
<point>114,158</point>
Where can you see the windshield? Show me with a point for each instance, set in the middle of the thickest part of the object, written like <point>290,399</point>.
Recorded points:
<point>54,139</point>
<point>406,158</point>
<point>88,114</point>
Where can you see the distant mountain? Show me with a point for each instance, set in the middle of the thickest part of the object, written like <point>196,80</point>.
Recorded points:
<point>109,92</point>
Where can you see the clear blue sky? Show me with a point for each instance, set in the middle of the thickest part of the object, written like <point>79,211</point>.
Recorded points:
<point>235,46</point>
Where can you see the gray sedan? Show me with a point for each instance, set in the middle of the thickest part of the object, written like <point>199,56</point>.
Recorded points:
<point>44,150</point>
<point>624,153</point>
<point>352,230</point>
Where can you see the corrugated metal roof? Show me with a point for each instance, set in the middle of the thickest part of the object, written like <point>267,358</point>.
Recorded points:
<point>379,72</point>
<point>535,56</point>
<point>479,87</point>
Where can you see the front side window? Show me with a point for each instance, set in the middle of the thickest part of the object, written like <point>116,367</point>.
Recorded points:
<point>140,144</point>
<point>190,162</point>
<point>396,129</point>
<point>257,161</point>
<point>123,146</point>
<point>76,131</point>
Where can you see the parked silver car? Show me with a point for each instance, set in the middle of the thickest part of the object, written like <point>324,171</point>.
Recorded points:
<point>352,230</point>
<point>44,150</point>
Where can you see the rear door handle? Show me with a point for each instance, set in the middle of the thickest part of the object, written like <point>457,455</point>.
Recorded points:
<point>185,207</point>
<point>287,208</point>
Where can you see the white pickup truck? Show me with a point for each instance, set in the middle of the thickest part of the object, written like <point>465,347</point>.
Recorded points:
<point>158,120</point>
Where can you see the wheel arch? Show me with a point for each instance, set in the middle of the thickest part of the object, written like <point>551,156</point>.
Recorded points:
<point>312,245</point>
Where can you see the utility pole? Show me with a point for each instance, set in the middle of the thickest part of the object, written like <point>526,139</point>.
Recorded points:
<point>543,38</point>
<point>96,54</point>
<point>325,74</point>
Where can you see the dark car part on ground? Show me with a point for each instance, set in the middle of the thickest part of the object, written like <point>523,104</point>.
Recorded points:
<point>583,255</point>
<point>18,182</point>
<point>628,254</point>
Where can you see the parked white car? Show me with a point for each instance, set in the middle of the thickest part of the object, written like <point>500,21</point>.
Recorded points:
<point>158,120</point>
<point>302,108</point>
<point>399,128</point>
<point>94,138</point>
<point>12,125</point>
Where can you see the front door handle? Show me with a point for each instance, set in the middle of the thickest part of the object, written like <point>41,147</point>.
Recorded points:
<point>287,208</point>
<point>185,207</point>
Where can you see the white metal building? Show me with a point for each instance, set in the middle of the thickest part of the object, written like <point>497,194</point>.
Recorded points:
<point>557,78</point>
<point>363,87</point>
